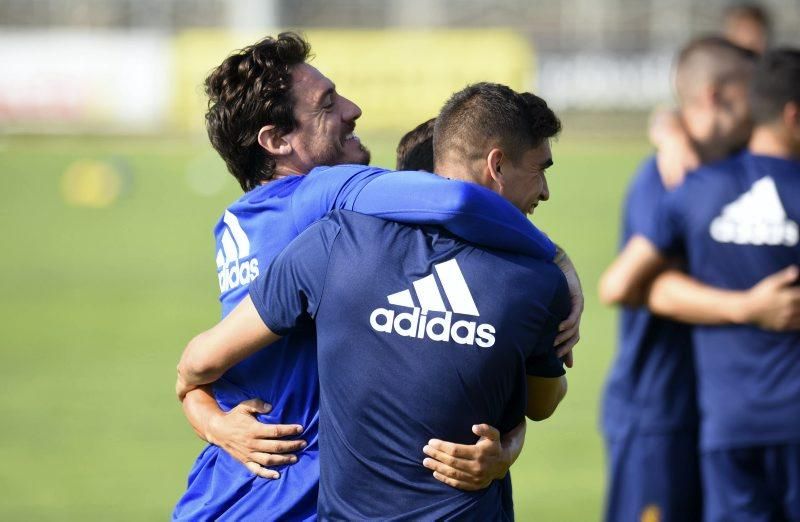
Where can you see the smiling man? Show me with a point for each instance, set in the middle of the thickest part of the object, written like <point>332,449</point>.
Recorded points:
<point>274,118</point>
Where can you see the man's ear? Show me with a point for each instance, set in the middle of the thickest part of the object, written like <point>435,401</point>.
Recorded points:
<point>791,115</point>
<point>712,94</point>
<point>272,142</point>
<point>494,166</point>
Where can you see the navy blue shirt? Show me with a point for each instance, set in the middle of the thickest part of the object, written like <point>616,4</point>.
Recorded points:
<point>738,222</point>
<point>250,234</point>
<point>651,385</point>
<point>419,335</point>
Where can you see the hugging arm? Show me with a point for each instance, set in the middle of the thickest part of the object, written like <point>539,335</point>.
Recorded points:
<point>211,353</point>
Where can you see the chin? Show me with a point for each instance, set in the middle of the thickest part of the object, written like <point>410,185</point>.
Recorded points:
<point>363,156</point>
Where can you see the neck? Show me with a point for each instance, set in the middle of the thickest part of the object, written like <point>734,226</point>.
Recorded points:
<point>710,152</point>
<point>453,170</point>
<point>699,126</point>
<point>767,141</point>
<point>288,169</point>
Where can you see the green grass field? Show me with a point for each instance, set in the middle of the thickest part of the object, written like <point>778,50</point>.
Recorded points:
<point>97,304</point>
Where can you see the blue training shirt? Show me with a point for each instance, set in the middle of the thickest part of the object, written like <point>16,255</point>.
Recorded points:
<point>651,384</point>
<point>254,230</point>
<point>738,222</point>
<point>419,335</point>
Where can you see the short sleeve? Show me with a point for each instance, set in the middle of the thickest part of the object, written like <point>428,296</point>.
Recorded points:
<point>668,231</point>
<point>543,361</point>
<point>289,292</point>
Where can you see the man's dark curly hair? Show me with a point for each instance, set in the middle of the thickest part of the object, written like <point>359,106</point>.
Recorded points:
<point>251,89</point>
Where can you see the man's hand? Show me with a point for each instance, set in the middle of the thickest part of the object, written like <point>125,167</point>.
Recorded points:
<point>251,442</point>
<point>774,303</point>
<point>676,154</point>
<point>675,158</point>
<point>182,388</point>
<point>569,329</point>
<point>473,467</point>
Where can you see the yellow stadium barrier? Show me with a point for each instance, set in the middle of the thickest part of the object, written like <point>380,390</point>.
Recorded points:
<point>398,77</point>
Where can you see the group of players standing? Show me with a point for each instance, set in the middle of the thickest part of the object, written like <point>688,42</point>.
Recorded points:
<point>703,422</point>
<point>403,305</point>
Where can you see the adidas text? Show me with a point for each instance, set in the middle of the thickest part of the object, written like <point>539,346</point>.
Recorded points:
<point>236,275</point>
<point>440,328</point>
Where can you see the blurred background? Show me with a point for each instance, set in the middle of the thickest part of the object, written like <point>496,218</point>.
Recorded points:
<point>109,191</point>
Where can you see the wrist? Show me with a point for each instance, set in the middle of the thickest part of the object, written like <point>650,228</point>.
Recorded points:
<point>740,309</point>
<point>210,425</point>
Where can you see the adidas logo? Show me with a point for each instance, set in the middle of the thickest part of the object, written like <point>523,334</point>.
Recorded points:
<point>757,217</point>
<point>439,326</point>
<point>232,272</point>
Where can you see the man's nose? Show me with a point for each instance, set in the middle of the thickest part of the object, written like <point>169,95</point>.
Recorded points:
<point>351,111</point>
<point>545,195</point>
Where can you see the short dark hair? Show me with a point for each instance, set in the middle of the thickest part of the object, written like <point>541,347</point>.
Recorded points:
<point>251,89</point>
<point>750,11</point>
<point>776,82</point>
<point>489,113</point>
<point>710,59</point>
<point>415,150</point>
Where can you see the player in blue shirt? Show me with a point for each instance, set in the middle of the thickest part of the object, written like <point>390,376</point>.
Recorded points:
<point>649,414</point>
<point>737,222</point>
<point>250,235</point>
<point>425,334</point>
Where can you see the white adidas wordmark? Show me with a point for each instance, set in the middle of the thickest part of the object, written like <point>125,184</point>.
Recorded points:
<point>232,271</point>
<point>416,323</point>
<point>756,217</point>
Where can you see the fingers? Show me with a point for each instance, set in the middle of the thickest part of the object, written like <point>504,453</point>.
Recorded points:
<point>452,477</point>
<point>461,451</point>
<point>276,431</point>
<point>268,459</point>
<point>568,344</point>
<point>254,406</point>
<point>277,446</point>
<point>446,458</point>
<point>486,431</point>
<point>454,483</point>
<point>566,330</point>
<point>566,335</point>
<point>569,326</point>
<point>784,277</point>
<point>568,359</point>
<point>255,469</point>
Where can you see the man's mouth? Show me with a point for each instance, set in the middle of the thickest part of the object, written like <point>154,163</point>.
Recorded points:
<point>352,136</point>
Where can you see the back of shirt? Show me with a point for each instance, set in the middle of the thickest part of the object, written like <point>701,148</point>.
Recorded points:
<point>651,384</point>
<point>738,221</point>
<point>420,335</point>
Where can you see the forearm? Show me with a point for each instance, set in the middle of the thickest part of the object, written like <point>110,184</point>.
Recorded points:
<point>210,354</point>
<point>200,408</point>
<point>627,280</point>
<point>678,296</point>
<point>513,442</point>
